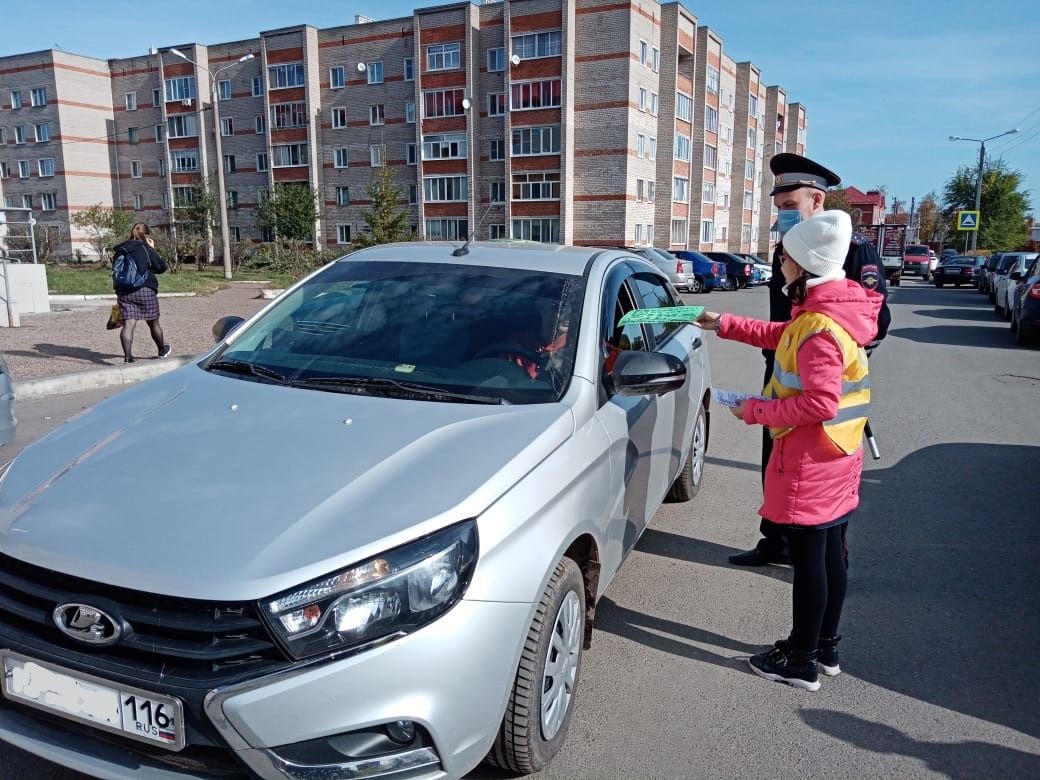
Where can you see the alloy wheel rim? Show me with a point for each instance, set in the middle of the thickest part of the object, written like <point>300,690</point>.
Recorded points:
<point>561,665</point>
<point>697,465</point>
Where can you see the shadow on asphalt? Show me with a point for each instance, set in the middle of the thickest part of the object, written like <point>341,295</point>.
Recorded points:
<point>733,464</point>
<point>980,314</point>
<point>691,550</point>
<point>930,295</point>
<point>948,759</point>
<point>64,351</point>
<point>960,335</point>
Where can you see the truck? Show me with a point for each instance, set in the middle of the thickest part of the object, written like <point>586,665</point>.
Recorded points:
<point>888,239</point>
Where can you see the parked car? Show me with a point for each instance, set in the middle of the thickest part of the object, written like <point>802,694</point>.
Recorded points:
<point>917,261</point>
<point>985,280</point>
<point>1011,261</point>
<point>1007,283</point>
<point>948,252</point>
<point>411,478</point>
<point>956,270</point>
<point>679,272</point>
<point>1025,309</point>
<point>761,273</point>
<point>738,269</point>
<point>980,266</point>
<point>7,419</point>
<point>709,274</point>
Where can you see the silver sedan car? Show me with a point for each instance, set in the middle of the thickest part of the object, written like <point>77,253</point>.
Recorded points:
<point>364,536</point>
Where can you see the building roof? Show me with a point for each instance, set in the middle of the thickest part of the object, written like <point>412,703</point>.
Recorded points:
<point>856,197</point>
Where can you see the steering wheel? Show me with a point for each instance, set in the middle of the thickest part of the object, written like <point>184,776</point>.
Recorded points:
<point>510,349</point>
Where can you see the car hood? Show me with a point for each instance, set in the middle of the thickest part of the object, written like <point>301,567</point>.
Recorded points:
<point>206,486</point>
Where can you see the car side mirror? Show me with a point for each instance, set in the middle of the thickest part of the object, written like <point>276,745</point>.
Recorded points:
<point>647,373</point>
<point>223,326</point>
<point>1015,276</point>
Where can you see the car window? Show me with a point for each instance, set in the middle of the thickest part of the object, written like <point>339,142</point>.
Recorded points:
<point>916,250</point>
<point>654,295</point>
<point>503,333</point>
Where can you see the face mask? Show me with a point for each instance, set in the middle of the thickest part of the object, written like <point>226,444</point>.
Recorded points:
<point>787,219</point>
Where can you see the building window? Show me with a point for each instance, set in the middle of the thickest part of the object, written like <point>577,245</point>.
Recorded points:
<point>138,202</point>
<point>230,166</point>
<point>443,56</point>
<point>639,234</point>
<point>654,104</point>
<point>496,104</point>
<point>679,231</point>
<point>231,196</point>
<point>535,45</point>
<point>236,233</point>
<point>447,229</point>
<point>160,133</point>
<point>640,145</point>
<point>651,191</point>
<point>447,146</point>
<point>410,154</point>
<point>644,53</point>
<point>642,98</point>
<point>3,136</point>
<point>752,136</point>
<point>409,112</point>
<point>130,101</point>
<point>27,201</point>
<point>337,77</point>
<point>708,194</point>
<point>342,234</point>
<point>536,140</point>
<point>38,96</point>
<point>536,186</point>
<point>132,135</point>
<point>224,89</point>
<point>651,148</point>
<point>135,169</point>
<point>182,126</point>
<point>496,59</point>
<point>184,160</point>
<point>16,99</point>
<point>711,156</point>
<point>156,97</point>
<point>5,171</point>
<point>161,168</point>
<point>285,76</point>
<point>413,194</point>
<point>261,162</point>
<point>339,118</point>
<point>376,115</point>
<point>711,119</point>
<point>752,105</point>
<point>724,200</point>
<point>43,132</point>
<point>180,88</point>
<point>375,72</point>
<point>680,189</point>
<point>650,234</point>
<point>342,196</point>
<point>683,107</point>
<point>409,69</point>
<point>45,166</point>
<point>544,230</point>
<point>164,200</point>
<point>498,192</point>
<point>527,95</point>
<point>443,102</point>
<point>639,190</point>
<point>497,149</point>
<point>749,169</point>
<point>655,66</point>
<point>745,234</point>
<point>19,135</point>
<point>707,231</point>
<point>377,155</point>
<point>258,86</point>
<point>497,231</point>
<point>712,80</point>
<point>286,115</point>
<point>227,126</point>
<point>288,155</point>
<point>339,157</point>
<point>748,200</point>
<point>445,188</point>
<point>259,124</point>
<point>723,232</point>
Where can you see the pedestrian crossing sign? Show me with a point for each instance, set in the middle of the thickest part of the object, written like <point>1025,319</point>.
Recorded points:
<point>967,220</point>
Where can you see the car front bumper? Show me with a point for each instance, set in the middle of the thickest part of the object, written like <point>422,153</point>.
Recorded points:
<point>919,269</point>
<point>450,679</point>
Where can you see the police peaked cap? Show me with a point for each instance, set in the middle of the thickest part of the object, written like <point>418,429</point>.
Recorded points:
<point>791,171</point>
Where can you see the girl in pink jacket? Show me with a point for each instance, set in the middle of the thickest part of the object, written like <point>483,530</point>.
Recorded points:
<point>815,408</point>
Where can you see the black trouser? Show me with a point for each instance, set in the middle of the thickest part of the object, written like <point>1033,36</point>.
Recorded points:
<point>773,539</point>
<point>820,580</point>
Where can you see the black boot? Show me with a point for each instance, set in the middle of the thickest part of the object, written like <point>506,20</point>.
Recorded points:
<point>785,664</point>
<point>828,650</point>
<point>765,552</point>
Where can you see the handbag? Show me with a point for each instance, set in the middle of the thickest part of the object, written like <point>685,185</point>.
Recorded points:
<point>115,318</point>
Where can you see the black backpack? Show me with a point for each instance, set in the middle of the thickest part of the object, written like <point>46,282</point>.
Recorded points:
<point>125,272</point>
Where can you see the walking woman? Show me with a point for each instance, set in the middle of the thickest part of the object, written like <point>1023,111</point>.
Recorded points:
<point>137,289</point>
<point>815,409</point>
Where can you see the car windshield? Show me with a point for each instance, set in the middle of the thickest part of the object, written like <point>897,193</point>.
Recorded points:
<point>958,260</point>
<point>419,330</point>
<point>660,255</point>
<point>1006,263</point>
<point>916,250</point>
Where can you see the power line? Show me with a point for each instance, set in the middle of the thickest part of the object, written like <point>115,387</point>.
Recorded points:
<point>1020,142</point>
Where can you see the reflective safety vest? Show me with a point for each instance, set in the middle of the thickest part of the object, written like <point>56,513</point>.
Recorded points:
<point>846,429</point>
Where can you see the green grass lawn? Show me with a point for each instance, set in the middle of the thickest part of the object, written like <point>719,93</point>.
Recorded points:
<point>97,280</point>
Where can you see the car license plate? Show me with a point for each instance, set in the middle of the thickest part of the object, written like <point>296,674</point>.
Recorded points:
<point>953,270</point>
<point>118,708</point>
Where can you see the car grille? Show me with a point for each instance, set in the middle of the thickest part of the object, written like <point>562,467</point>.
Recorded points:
<point>194,641</point>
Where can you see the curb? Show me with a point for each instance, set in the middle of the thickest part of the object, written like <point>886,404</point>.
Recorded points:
<point>112,297</point>
<point>96,378</point>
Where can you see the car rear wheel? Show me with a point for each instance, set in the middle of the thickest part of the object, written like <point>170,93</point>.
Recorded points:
<point>956,284</point>
<point>540,704</point>
<point>938,284</point>
<point>688,483</point>
<point>696,286</point>
<point>730,284</point>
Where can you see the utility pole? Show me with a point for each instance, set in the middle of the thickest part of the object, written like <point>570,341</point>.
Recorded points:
<point>910,225</point>
<point>978,181</point>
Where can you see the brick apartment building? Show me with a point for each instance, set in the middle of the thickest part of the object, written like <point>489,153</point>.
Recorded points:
<point>580,121</point>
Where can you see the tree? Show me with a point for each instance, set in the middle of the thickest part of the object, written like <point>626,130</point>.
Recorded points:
<point>1002,222</point>
<point>386,221</point>
<point>837,199</point>
<point>928,218</point>
<point>105,227</point>
<point>289,212</point>
<point>196,218</point>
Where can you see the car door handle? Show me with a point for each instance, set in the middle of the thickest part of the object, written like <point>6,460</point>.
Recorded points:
<point>697,343</point>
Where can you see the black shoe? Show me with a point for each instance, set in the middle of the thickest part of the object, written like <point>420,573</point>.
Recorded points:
<point>128,360</point>
<point>828,656</point>
<point>165,351</point>
<point>763,554</point>
<point>785,664</point>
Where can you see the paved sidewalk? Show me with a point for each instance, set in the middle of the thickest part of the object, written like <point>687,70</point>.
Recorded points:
<point>71,338</point>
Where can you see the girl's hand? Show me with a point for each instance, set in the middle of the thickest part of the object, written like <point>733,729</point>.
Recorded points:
<point>709,320</point>
<point>148,240</point>
<point>738,410</point>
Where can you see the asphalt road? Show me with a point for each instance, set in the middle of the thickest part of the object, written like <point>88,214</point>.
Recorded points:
<point>941,621</point>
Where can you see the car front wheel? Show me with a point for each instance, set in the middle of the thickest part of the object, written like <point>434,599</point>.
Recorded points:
<point>540,703</point>
<point>688,483</point>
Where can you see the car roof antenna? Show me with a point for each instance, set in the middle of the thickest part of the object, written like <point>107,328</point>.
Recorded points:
<point>463,250</point>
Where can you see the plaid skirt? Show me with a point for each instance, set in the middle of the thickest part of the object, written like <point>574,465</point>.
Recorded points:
<point>141,304</point>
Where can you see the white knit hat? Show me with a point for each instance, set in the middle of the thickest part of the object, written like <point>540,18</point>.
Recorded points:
<point>820,244</point>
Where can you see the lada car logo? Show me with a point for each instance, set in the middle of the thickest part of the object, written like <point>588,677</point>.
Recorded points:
<point>87,624</point>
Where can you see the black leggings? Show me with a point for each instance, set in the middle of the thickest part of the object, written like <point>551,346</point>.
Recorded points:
<point>820,580</point>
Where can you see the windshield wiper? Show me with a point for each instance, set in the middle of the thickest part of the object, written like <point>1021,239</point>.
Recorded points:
<point>383,384</point>
<point>245,367</point>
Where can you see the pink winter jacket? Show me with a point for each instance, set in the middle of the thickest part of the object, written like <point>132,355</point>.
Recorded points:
<point>808,480</point>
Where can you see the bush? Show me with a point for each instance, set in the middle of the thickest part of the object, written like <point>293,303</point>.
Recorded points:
<point>292,258</point>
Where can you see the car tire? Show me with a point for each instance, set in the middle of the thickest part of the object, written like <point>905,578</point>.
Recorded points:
<point>938,284</point>
<point>553,648</point>
<point>926,278</point>
<point>996,310</point>
<point>1005,312</point>
<point>688,483</point>
<point>730,285</point>
<point>956,284</point>
<point>696,286</point>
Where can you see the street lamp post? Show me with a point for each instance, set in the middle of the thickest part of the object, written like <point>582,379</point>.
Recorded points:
<point>978,181</point>
<point>225,233</point>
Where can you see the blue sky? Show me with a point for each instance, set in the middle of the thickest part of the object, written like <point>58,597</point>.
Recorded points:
<point>883,89</point>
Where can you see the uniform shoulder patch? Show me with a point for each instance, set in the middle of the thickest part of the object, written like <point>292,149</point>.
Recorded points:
<point>857,238</point>
<point>869,276</point>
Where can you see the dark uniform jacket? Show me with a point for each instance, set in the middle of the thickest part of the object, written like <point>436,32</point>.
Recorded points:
<point>148,262</point>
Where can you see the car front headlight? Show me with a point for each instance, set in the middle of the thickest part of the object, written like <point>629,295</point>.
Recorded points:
<point>393,593</point>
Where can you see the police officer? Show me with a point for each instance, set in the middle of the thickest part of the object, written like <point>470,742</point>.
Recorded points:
<point>799,190</point>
